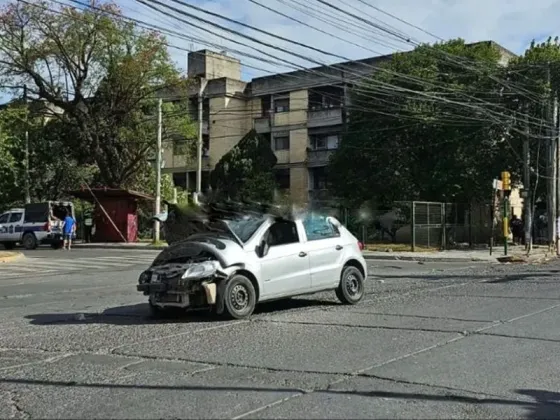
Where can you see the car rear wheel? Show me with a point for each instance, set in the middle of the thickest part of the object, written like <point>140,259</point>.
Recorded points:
<point>240,297</point>
<point>29,241</point>
<point>57,245</point>
<point>351,289</point>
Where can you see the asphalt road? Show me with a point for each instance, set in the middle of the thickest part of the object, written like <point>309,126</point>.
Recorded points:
<point>430,341</point>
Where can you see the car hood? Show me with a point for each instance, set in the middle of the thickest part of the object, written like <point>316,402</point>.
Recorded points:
<point>203,247</point>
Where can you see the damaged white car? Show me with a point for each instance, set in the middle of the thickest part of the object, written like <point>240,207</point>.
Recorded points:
<point>236,264</point>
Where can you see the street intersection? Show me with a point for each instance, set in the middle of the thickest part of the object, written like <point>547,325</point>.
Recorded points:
<point>432,340</point>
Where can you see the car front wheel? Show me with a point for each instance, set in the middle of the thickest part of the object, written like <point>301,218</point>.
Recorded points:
<point>240,297</point>
<point>351,289</point>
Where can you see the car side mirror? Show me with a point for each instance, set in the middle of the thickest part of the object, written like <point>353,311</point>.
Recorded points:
<point>262,249</point>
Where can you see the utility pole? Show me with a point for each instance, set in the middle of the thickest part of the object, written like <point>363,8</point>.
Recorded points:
<point>26,148</point>
<point>200,134</point>
<point>557,171</point>
<point>158,171</point>
<point>527,205</point>
<point>551,158</point>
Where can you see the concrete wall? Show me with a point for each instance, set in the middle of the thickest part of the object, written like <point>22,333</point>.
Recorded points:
<point>298,110</point>
<point>299,185</point>
<point>298,145</point>
<point>229,122</point>
<point>212,65</point>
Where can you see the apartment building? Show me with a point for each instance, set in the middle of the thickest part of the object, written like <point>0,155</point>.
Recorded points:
<point>301,113</point>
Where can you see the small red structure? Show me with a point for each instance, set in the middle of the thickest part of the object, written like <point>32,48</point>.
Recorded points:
<point>115,215</point>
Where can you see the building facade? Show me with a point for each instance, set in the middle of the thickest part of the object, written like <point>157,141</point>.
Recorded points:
<point>302,113</point>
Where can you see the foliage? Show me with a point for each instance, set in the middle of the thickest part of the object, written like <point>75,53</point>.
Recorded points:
<point>246,171</point>
<point>11,170</point>
<point>100,70</point>
<point>421,128</point>
<point>534,80</point>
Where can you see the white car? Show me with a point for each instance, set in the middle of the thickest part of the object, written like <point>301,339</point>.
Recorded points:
<point>240,263</point>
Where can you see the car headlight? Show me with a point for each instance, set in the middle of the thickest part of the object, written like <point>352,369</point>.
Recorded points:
<point>143,278</point>
<point>201,270</point>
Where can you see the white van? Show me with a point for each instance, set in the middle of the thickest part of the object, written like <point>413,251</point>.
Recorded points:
<point>35,224</point>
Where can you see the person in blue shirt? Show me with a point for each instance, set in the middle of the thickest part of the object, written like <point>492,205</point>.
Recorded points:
<point>68,229</point>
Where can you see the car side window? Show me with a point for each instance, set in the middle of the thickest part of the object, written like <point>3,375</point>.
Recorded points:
<point>282,233</point>
<point>4,218</point>
<point>15,217</point>
<point>318,227</point>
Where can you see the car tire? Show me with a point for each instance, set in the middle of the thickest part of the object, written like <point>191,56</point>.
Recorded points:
<point>240,297</point>
<point>9,245</point>
<point>29,241</point>
<point>351,289</point>
<point>57,245</point>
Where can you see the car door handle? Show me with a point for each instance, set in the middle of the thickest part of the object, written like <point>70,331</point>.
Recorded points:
<point>303,254</point>
<point>338,247</point>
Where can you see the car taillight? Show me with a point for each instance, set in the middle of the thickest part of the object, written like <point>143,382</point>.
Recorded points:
<point>47,226</point>
<point>361,246</point>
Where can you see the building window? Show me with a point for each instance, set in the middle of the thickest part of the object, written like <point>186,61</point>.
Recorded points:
<point>205,145</point>
<point>181,146</point>
<point>319,178</point>
<point>282,104</point>
<point>282,177</point>
<point>324,141</point>
<point>281,143</point>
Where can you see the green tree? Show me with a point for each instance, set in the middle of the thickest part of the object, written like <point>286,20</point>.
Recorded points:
<point>425,126</point>
<point>246,171</point>
<point>100,70</point>
<point>534,81</point>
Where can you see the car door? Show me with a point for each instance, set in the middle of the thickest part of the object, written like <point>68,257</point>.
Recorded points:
<point>325,248</point>
<point>15,226</point>
<point>4,235</point>
<point>285,265</point>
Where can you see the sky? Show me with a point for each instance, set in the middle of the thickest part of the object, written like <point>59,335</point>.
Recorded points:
<point>511,23</point>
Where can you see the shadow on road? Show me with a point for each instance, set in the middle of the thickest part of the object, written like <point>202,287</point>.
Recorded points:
<point>140,314</point>
<point>545,404</point>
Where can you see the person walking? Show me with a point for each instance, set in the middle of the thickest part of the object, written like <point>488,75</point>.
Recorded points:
<point>68,229</point>
<point>88,224</point>
<point>517,230</point>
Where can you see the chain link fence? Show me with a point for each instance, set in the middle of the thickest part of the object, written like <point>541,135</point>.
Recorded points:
<point>418,225</point>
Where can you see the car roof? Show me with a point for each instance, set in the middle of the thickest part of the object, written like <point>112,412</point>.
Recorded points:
<point>15,211</point>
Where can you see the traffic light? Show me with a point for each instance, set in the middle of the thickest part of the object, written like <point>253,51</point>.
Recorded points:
<point>506,181</point>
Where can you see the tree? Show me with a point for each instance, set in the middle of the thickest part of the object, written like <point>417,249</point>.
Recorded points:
<point>425,126</point>
<point>11,183</point>
<point>530,97</point>
<point>246,171</point>
<point>99,69</point>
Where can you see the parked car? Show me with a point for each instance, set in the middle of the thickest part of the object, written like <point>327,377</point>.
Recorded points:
<point>236,264</point>
<point>35,224</point>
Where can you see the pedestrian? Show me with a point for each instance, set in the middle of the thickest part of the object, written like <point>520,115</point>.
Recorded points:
<point>516,230</point>
<point>68,229</point>
<point>88,224</point>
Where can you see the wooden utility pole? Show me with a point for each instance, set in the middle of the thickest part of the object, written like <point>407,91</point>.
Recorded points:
<point>26,149</point>
<point>527,205</point>
<point>158,170</point>
<point>551,158</point>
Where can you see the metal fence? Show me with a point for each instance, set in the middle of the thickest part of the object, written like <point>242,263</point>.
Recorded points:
<point>418,225</point>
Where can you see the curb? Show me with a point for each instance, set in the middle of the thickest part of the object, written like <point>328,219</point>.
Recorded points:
<point>13,256</point>
<point>131,247</point>
<point>426,259</point>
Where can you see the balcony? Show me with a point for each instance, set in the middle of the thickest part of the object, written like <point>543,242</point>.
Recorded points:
<point>319,157</point>
<point>324,117</point>
<point>262,125</point>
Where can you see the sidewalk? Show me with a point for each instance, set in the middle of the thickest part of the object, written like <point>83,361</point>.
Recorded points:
<point>515,253</point>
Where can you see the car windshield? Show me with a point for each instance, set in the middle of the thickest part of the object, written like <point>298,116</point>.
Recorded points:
<point>246,227</point>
